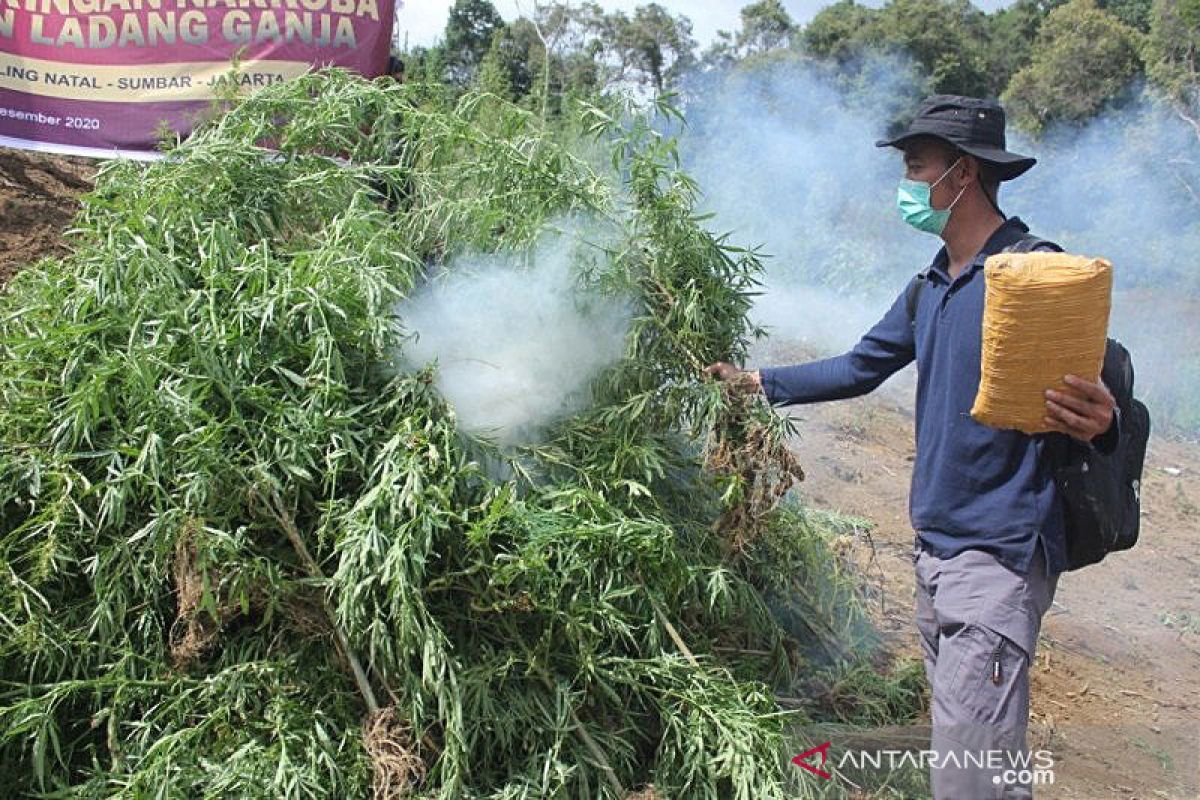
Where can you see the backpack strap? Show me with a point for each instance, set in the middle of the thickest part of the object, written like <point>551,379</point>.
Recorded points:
<point>1026,244</point>
<point>912,295</point>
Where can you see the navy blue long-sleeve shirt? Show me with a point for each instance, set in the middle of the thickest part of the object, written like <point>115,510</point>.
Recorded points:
<point>973,487</point>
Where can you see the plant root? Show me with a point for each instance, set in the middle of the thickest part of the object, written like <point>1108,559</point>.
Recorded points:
<point>395,760</point>
<point>747,451</point>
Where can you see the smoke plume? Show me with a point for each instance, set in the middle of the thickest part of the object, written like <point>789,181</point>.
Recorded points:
<point>517,337</point>
<point>785,155</point>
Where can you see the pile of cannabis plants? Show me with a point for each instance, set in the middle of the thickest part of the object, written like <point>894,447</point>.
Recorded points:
<point>246,549</point>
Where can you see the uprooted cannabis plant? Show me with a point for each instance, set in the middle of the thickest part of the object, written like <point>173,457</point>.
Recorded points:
<point>245,549</point>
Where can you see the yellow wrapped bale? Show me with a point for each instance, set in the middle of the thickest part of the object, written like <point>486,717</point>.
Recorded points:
<point>1045,316</point>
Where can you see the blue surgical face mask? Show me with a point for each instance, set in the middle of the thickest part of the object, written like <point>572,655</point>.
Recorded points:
<point>912,198</point>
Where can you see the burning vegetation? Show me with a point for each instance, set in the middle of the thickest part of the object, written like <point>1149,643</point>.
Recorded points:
<point>246,547</point>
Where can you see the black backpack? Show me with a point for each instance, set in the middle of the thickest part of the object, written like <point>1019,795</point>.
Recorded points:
<point>1100,492</point>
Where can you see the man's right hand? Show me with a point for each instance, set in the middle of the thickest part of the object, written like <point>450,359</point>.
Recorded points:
<point>724,371</point>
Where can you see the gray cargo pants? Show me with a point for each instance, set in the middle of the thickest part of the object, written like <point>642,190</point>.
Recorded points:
<point>979,624</point>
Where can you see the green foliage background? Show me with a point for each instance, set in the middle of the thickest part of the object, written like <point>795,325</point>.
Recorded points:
<point>1054,61</point>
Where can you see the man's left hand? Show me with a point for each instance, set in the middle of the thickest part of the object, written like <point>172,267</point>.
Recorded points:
<point>1083,412</point>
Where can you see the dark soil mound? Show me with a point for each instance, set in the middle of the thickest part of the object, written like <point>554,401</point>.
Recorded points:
<point>39,195</point>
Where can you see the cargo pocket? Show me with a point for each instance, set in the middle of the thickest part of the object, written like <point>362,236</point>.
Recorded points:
<point>990,683</point>
<point>1015,624</point>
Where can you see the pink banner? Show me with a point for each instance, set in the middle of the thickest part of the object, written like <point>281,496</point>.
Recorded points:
<point>102,77</point>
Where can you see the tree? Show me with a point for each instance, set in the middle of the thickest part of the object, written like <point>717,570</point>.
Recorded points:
<point>1084,59</point>
<point>1011,33</point>
<point>496,70</point>
<point>766,25</point>
<point>468,36</point>
<point>721,53</point>
<point>948,38</point>
<point>1171,55</point>
<point>512,62</point>
<point>426,63</point>
<point>653,47</point>
<point>554,52</point>
<point>836,31</point>
<point>569,57</point>
<point>1134,13</point>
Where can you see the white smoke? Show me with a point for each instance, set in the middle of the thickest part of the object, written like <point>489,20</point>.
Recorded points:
<point>786,158</point>
<point>518,337</point>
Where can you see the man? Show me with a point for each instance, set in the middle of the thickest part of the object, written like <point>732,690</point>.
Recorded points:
<point>395,69</point>
<point>395,196</point>
<point>989,542</point>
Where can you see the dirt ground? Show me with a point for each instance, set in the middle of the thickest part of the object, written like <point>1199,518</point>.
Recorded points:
<point>1116,684</point>
<point>38,199</point>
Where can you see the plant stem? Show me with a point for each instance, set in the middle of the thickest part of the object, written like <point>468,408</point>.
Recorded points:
<point>673,633</point>
<point>276,509</point>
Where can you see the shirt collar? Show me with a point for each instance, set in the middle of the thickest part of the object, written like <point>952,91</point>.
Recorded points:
<point>1009,232</point>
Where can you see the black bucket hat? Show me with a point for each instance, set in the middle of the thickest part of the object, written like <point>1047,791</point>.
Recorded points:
<point>972,125</point>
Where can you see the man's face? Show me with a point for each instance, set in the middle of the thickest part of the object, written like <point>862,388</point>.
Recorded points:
<point>927,160</point>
